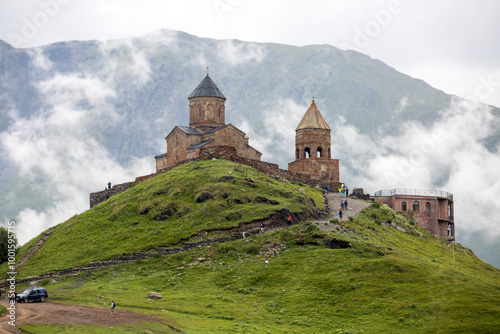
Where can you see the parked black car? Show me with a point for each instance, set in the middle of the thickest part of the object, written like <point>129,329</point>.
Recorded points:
<point>32,295</point>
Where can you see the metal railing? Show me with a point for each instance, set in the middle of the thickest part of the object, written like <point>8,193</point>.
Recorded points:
<point>415,192</point>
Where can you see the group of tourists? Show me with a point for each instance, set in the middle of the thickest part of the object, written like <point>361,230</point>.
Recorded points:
<point>343,190</point>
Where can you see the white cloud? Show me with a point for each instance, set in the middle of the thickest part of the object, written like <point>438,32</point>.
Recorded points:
<point>56,145</point>
<point>275,137</point>
<point>124,58</point>
<point>39,60</point>
<point>237,53</point>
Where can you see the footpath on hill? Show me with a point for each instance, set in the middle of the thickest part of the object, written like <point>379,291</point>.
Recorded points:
<point>354,207</point>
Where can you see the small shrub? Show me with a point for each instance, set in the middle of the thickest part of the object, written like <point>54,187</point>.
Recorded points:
<point>376,205</point>
<point>44,282</point>
<point>225,249</point>
<point>252,250</point>
<point>246,291</point>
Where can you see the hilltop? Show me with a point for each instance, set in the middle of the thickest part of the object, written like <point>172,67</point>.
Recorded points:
<point>373,273</point>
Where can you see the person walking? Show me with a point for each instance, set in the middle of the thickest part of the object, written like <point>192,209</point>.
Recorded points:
<point>244,230</point>
<point>342,205</point>
<point>267,262</point>
<point>113,307</point>
<point>340,214</point>
<point>327,189</point>
<point>289,221</point>
<point>261,228</point>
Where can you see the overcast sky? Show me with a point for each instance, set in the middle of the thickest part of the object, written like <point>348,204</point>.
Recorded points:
<point>452,45</point>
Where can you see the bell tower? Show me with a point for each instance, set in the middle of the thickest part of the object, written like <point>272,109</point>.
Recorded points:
<point>206,106</point>
<point>313,148</point>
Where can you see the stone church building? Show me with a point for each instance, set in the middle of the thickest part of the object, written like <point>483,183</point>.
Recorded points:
<point>207,127</point>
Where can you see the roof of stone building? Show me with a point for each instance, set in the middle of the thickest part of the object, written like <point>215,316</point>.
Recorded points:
<point>313,119</point>
<point>206,88</point>
<point>189,130</point>
<point>215,129</point>
<point>203,143</point>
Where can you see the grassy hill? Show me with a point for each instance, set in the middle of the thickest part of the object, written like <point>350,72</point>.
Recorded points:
<point>377,273</point>
<point>212,197</point>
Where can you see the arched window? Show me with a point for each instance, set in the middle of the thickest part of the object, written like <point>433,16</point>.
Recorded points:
<point>329,154</point>
<point>219,111</point>
<point>199,111</point>
<point>416,206</point>
<point>403,206</point>
<point>319,152</point>
<point>297,154</point>
<point>307,152</point>
<point>428,207</point>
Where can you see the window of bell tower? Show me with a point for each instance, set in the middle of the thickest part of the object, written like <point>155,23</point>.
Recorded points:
<point>307,152</point>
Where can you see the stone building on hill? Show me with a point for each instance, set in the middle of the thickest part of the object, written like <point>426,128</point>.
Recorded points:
<point>313,154</point>
<point>431,209</point>
<point>207,127</point>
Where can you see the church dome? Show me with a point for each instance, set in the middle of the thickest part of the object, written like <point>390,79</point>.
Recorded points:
<point>207,88</point>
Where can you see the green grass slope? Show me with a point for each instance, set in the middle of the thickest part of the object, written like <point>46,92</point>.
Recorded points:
<point>395,278</point>
<point>164,212</point>
<point>377,273</point>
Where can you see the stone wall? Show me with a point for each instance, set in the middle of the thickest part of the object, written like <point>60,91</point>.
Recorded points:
<point>319,168</point>
<point>101,196</point>
<point>273,170</point>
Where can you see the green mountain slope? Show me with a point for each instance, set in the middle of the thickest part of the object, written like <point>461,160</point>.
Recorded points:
<point>376,273</point>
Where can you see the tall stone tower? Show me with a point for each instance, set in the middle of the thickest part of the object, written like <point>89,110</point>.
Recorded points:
<point>206,106</point>
<point>313,148</point>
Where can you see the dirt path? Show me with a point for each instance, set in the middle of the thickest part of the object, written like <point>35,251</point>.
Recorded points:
<point>35,248</point>
<point>354,207</point>
<point>59,313</point>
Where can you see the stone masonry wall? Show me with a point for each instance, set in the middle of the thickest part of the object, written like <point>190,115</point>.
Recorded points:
<point>101,196</point>
<point>273,170</point>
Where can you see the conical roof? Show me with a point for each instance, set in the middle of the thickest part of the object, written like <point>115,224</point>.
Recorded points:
<point>207,88</point>
<point>313,119</point>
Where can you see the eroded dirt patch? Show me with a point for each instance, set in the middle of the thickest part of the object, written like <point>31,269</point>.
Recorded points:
<point>65,314</point>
